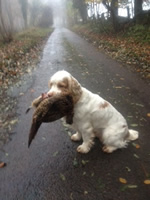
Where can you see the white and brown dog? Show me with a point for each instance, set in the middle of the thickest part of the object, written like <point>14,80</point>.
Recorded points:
<point>93,116</point>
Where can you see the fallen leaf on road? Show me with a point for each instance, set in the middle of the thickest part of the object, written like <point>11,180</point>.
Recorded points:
<point>69,133</point>
<point>75,162</point>
<point>128,169</point>
<point>123,180</point>
<point>136,156</point>
<point>84,173</point>
<point>43,138</point>
<point>92,174</point>
<point>118,87</point>
<point>129,116</point>
<point>137,146</point>
<point>140,105</point>
<point>55,153</point>
<point>84,162</point>
<point>12,122</point>
<point>134,125</point>
<point>147,182</point>
<point>2,165</point>
<point>85,192</point>
<point>128,186</point>
<point>148,114</point>
<point>71,196</point>
<point>132,186</point>
<point>63,178</point>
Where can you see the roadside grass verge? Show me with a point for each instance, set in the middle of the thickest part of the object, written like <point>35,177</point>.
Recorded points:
<point>17,58</point>
<point>130,48</point>
<point>22,52</point>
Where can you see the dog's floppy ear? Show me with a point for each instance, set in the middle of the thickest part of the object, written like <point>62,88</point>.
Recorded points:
<point>75,89</point>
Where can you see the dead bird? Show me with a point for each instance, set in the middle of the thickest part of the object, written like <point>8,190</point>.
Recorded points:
<point>49,109</point>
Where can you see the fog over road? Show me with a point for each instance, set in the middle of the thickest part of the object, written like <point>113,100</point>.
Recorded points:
<point>51,169</point>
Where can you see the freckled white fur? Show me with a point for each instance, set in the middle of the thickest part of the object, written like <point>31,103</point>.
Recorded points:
<point>94,117</point>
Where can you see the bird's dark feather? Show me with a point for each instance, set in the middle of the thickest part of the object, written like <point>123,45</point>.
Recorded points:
<point>51,109</point>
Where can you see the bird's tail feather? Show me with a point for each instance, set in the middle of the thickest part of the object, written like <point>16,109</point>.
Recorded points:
<point>33,131</point>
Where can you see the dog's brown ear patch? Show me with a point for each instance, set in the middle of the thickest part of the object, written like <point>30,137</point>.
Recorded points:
<point>66,82</point>
<point>104,105</point>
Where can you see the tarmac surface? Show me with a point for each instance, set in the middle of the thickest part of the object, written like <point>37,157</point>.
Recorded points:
<point>51,169</point>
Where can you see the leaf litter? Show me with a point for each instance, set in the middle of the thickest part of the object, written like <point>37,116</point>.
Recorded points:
<point>17,58</point>
<point>123,180</point>
<point>137,146</point>
<point>148,114</point>
<point>84,162</point>
<point>55,153</point>
<point>136,156</point>
<point>75,163</point>
<point>128,169</point>
<point>63,178</point>
<point>147,182</point>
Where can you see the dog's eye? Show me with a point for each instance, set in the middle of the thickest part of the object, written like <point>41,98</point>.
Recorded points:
<point>61,85</point>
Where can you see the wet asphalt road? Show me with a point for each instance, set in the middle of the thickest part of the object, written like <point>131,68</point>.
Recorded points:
<point>51,169</point>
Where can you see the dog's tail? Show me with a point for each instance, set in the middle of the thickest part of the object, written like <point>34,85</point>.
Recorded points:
<point>132,135</point>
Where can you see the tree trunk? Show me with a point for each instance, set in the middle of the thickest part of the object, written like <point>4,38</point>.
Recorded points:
<point>81,6</point>
<point>24,8</point>
<point>6,31</point>
<point>137,7</point>
<point>138,10</point>
<point>114,13</point>
<point>113,8</point>
<point>83,11</point>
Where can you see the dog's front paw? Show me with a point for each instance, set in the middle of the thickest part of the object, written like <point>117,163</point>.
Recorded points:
<point>76,137</point>
<point>83,148</point>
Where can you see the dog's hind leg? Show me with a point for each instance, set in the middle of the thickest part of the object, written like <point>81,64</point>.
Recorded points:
<point>113,138</point>
<point>109,149</point>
